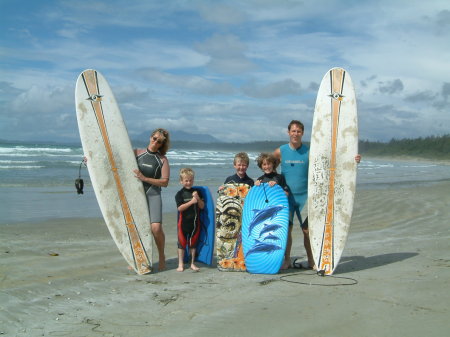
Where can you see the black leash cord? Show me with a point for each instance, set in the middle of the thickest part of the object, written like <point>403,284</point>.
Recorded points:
<point>265,193</point>
<point>79,183</point>
<point>351,283</point>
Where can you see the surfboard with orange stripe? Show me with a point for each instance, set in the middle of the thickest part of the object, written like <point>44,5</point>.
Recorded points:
<point>332,168</point>
<point>111,161</point>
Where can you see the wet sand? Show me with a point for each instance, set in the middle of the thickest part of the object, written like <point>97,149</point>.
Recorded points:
<point>67,278</point>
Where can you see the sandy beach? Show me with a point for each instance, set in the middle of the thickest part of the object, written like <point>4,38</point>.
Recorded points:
<point>67,278</point>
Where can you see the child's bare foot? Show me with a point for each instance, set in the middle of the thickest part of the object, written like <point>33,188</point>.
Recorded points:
<point>180,268</point>
<point>194,267</point>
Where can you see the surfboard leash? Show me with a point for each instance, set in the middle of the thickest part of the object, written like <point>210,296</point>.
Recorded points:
<point>265,193</point>
<point>351,281</point>
<point>79,183</point>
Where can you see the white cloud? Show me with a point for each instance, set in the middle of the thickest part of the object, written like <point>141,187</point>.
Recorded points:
<point>227,67</point>
<point>275,89</point>
<point>193,84</point>
<point>227,54</point>
<point>220,13</point>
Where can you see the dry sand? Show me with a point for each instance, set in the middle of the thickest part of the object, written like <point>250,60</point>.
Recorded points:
<point>397,254</point>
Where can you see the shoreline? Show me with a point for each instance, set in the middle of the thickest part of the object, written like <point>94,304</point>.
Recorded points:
<point>397,252</point>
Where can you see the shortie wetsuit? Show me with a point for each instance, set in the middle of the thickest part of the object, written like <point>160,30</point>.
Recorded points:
<point>150,164</point>
<point>188,224</point>
<point>294,167</point>
<point>235,179</point>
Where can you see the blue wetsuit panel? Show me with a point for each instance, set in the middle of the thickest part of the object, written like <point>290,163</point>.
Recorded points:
<point>294,167</point>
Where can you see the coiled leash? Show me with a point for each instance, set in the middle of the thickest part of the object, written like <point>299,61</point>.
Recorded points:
<point>79,183</point>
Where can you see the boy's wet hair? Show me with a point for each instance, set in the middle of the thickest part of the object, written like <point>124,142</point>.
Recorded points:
<point>268,157</point>
<point>296,122</point>
<point>242,156</point>
<point>186,172</point>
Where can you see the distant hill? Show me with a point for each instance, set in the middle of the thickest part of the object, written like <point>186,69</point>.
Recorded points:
<point>433,147</point>
<point>261,146</point>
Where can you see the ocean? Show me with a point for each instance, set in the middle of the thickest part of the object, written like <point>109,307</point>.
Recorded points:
<point>37,182</point>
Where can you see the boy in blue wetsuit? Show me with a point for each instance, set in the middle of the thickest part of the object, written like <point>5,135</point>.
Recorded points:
<point>189,203</point>
<point>294,159</point>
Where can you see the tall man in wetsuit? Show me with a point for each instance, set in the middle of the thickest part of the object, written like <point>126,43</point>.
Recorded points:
<point>294,166</point>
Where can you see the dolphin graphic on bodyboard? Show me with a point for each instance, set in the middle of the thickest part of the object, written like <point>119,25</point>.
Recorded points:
<point>264,229</point>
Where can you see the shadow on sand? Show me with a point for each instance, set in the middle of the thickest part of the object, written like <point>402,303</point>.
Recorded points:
<point>347,264</point>
<point>350,264</point>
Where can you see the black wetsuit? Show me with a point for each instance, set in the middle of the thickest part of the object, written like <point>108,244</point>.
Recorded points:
<point>278,178</point>
<point>235,179</point>
<point>150,164</point>
<point>188,223</point>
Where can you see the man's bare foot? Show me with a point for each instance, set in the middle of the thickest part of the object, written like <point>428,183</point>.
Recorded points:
<point>180,268</point>
<point>304,265</point>
<point>162,264</point>
<point>194,267</point>
<point>286,265</point>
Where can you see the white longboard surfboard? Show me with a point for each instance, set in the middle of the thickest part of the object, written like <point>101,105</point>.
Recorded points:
<point>111,161</point>
<point>332,169</point>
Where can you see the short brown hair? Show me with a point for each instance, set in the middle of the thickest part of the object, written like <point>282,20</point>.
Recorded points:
<point>270,158</point>
<point>242,156</point>
<point>296,122</point>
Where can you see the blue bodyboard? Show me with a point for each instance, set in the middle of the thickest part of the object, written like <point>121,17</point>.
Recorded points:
<point>265,224</point>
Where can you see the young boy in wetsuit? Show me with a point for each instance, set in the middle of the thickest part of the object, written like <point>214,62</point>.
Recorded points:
<point>268,164</point>
<point>189,203</point>
<point>240,163</point>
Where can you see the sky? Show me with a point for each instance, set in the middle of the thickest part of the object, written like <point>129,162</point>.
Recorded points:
<point>239,70</point>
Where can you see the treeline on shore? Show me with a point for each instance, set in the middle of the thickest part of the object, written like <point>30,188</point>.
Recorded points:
<point>433,147</point>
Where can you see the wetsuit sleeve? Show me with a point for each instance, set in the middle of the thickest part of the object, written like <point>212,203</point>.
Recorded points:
<point>283,183</point>
<point>179,199</point>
